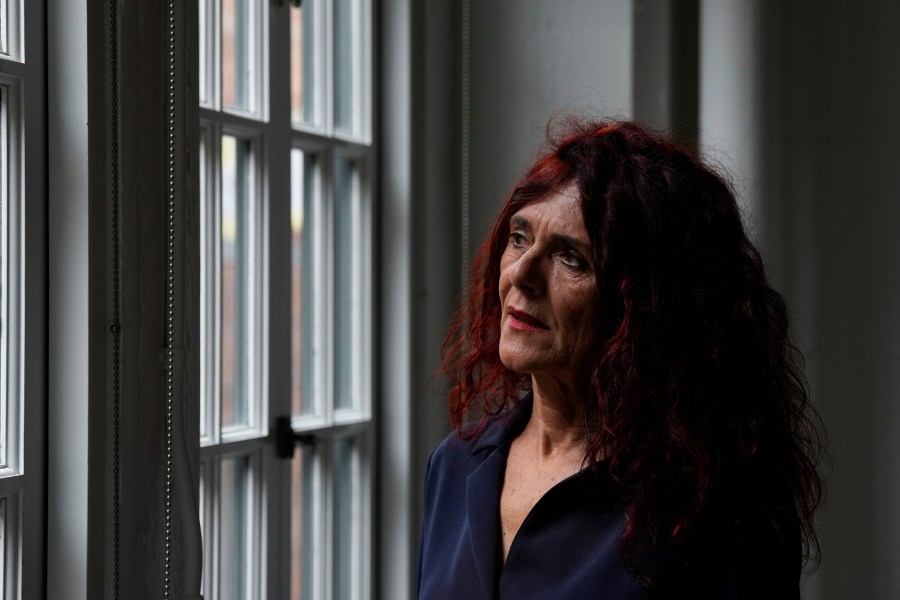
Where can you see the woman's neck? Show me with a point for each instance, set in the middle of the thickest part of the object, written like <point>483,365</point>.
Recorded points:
<point>556,426</point>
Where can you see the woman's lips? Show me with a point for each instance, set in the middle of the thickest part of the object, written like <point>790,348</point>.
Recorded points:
<point>522,321</point>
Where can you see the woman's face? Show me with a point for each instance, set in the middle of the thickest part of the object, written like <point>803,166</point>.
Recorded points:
<point>548,291</point>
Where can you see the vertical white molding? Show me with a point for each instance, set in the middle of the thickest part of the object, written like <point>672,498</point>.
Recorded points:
<point>70,385</point>
<point>277,251</point>
<point>729,94</point>
<point>395,545</point>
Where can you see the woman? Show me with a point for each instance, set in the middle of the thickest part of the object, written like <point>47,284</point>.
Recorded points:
<point>642,427</point>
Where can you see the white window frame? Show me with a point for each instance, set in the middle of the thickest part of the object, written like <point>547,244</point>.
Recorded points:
<point>271,128</point>
<point>11,36</point>
<point>211,310</point>
<point>23,273</point>
<point>219,443</point>
<point>13,479</point>
<point>74,563</point>
<point>12,305</point>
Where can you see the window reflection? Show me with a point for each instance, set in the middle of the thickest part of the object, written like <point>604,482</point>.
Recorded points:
<point>235,280</point>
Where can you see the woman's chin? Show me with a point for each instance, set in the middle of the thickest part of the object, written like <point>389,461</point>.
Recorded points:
<point>519,362</point>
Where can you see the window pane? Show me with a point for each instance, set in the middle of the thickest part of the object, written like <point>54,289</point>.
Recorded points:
<point>205,42</point>
<point>346,288</point>
<point>11,29</point>
<point>237,54</point>
<point>236,281</point>
<point>236,543</point>
<point>346,520</point>
<point>302,528</point>
<point>302,63</point>
<point>346,37</point>
<point>4,27</point>
<point>303,310</point>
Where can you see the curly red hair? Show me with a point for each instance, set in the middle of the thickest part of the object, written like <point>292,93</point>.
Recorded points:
<point>697,390</point>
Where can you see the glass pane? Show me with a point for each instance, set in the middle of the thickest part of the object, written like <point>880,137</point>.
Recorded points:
<point>302,62</point>
<point>204,48</point>
<point>303,310</point>
<point>237,55</point>
<point>11,29</point>
<point>346,36</point>
<point>346,520</point>
<point>236,282</point>
<point>302,528</point>
<point>4,26</point>
<point>235,544</point>
<point>346,287</point>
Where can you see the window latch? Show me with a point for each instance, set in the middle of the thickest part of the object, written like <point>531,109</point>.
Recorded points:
<point>286,439</point>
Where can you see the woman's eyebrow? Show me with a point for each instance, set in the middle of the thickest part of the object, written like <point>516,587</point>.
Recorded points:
<point>573,242</point>
<point>520,222</point>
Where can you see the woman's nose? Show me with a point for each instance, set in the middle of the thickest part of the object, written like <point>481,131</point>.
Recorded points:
<point>528,273</point>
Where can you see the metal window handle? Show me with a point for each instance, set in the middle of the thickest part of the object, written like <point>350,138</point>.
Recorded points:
<point>286,439</point>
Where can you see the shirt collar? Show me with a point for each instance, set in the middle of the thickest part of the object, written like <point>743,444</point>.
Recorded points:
<point>503,428</point>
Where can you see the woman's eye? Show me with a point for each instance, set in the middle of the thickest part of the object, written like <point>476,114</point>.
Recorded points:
<point>573,260</point>
<point>517,239</point>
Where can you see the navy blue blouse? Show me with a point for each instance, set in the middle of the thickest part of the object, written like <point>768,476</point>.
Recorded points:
<point>568,547</point>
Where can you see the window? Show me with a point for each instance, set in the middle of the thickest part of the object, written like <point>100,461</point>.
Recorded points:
<point>21,300</point>
<point>12,478</point>
<point>286,187</point>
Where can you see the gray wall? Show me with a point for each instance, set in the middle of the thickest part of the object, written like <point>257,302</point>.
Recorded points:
<point>530,60</point>
<point>836,91</point>
<point>801,101</point>
<point>798,102</point>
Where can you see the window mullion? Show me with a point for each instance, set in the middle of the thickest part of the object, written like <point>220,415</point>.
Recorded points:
<point>258,311</point>
<point>366,264</point>
<point>217,55</point>
<point>328,75</point>
<point>326,259</point>
<point>276,475</point>
<point>326,587</point>
<point>356,229</point>
<point>358,99</point>
<point>211,523</point>
<point>319,231</point>
<point>216,234</point>
<point>257,515</point>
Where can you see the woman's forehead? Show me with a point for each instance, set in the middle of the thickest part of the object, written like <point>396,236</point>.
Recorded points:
<point>558,210</point>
